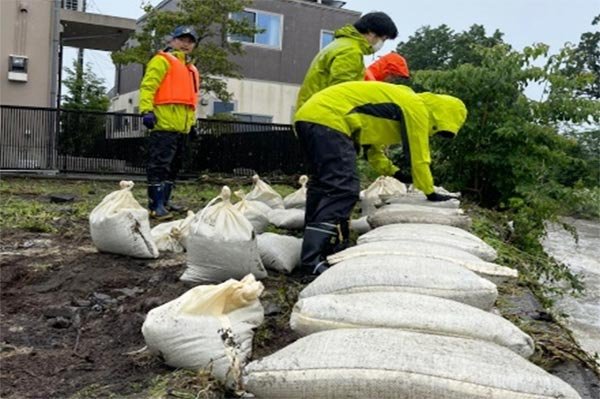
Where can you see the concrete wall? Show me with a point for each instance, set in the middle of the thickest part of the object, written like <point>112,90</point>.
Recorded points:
<point>30,34</point>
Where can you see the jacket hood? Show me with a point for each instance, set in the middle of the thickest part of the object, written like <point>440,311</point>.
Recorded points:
<point>446,113</point>
<point>350,31</point>
<point>389,64</point>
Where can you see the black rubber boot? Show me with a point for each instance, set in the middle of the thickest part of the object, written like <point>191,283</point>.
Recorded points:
<point>156,202</point>
<point>318,242</point>
<point>168,189</point>
<point>343,241</point>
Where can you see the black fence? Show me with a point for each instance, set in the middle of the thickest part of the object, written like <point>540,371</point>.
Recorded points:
<point>104,142</point>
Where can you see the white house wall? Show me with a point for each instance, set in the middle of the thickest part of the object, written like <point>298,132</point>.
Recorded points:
<point>249,96</point>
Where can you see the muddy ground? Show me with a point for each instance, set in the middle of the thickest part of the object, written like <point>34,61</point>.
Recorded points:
<point>72,317</point>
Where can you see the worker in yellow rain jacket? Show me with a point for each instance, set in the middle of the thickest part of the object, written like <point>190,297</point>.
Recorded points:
<point>375,114</point>
<point>168,99</point>
<point>342,59</point>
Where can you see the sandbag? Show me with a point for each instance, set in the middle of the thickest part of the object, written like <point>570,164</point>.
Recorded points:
<point>393,273</point>
<point>279,252</point>
<point>172,236</point>
<point>430,250</point>
<point>388,363</point>
<point>381,189</point>
<point>120,225</point>
<point>297,199</point>
<point>221,244</point>
<point>409,312</point>
<point>432,233</point>
<point>360,225</point>
<point>419,198</point>
<point>290,219</point>
<point>255,211</point>
<point>209,327</point>
<point>262,192</point>
<point>407,213</point>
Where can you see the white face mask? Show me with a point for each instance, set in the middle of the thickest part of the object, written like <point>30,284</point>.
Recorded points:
<point>377,45</point>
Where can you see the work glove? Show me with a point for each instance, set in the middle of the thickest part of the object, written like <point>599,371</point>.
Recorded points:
<point>435,197</point>
<point>405,178</point>
<point>149,120</point>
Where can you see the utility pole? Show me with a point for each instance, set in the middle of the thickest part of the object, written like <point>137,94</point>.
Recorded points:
<point>79,72</point>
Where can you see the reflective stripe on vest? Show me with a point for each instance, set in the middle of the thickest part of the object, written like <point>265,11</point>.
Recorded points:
<point>180,85</point>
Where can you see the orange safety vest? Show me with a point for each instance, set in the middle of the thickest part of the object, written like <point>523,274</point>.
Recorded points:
<point>389,64</point>
<point>180,85</point>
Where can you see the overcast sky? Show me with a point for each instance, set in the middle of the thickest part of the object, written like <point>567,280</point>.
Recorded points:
<point>523,22</point>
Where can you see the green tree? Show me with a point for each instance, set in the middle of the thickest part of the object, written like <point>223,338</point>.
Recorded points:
<point>213,53</point>
<point>80,128</point>
<point>441,48</point>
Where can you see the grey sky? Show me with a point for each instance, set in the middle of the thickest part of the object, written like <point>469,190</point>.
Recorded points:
<point>523,22</point>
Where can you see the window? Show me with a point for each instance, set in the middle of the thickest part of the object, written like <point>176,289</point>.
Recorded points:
<point>253,118</point>
<point>269,24</point>
<point>220,107</point>
<point>326,38</point>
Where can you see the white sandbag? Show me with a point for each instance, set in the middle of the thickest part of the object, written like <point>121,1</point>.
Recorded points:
<point>172,236</point>
<point>120,225</point>
<point>420,199</point>
<point>209,327</point>
<point>414,248</point>
<point>407,213</point>
<point>382,188</point>
<point>432,233</point>
<point>393,273</point>
<point>262,192</point>
<point>390,364</point>
<point>291,219</point>
<point>360,225</point>
<point>221,244</point>
<point>409,312</point>
<point>255,211</point>
<point>279,252</point>
<point>297,199</point>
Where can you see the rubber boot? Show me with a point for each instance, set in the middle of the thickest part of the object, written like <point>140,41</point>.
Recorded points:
<point>168,189</point>
<point>156,202</point>
<point>318,242</point>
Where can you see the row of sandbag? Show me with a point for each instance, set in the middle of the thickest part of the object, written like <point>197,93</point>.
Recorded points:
<point>405,314</point>
<point>119,224</point>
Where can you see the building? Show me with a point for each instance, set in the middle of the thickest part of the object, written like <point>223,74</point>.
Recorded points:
<point>273,65</point>
<point>32,35</point>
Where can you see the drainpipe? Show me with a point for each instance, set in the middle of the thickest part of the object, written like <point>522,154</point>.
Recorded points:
<point>55,67</point>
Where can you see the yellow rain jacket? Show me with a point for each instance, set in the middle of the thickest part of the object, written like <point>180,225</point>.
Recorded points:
<point>169,117</point>
<point>380,114</point>
<point>341,61</point>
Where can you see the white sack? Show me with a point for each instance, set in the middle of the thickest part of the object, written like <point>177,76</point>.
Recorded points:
<point>291,219</point>
<point>297,199</point>
<point>262,192</point>
<point>432,233</point>
<point>255,211</point>
<point>393,273</point>
<point>420,199</point>
<point>409,312</point>
<point>209,327</point>
<point>221,244</point>
<point>172,236</point>
<point>407,213</point>
<point>120,225</point>
<point>410,248</point>
<point>381,189</point>
<point>360,225</point>
<point>391,364</point>
<point>279,252</point>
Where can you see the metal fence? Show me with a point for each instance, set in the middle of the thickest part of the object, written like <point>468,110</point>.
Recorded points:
<point>105,142</point>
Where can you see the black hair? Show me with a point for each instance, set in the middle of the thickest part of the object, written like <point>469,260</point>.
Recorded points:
<point>377,22</point>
